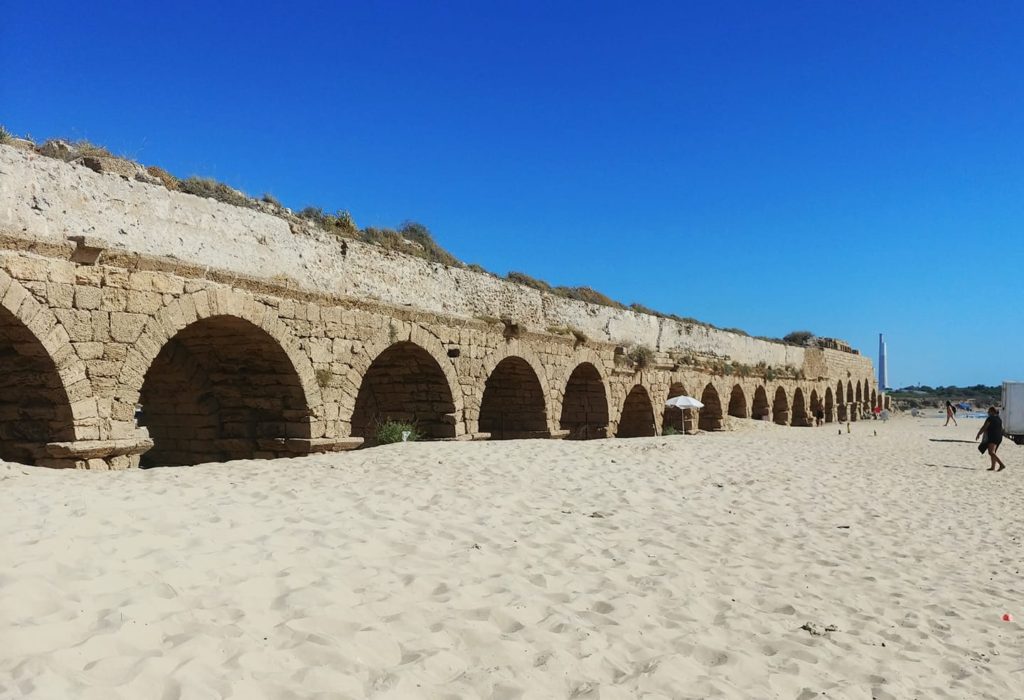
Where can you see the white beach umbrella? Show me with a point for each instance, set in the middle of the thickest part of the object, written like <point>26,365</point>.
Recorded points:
<point>684,402</point>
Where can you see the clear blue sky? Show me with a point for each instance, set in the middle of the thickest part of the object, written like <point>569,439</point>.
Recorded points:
<point>841,167</point>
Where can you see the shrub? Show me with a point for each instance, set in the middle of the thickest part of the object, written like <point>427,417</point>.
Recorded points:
<point>803,338</point>
<point>5,135</point>
<point>670,430</point>
<point>420,234</point>
<point>68,151</point>
<point>527,281</point>
<point>168,180</point>
<point>206,187</point>
<point>591,296</point>
<point>340,223</point>
<point>390,431</point>
<point>641,356</point>
<point>641,309</point>
<point>271,199</point>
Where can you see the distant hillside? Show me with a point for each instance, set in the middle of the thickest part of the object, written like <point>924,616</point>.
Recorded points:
<point>923,396</point>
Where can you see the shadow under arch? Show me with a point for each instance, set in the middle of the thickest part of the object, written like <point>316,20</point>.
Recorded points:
<point>761,409</point>
<point>404,383</point>
<point>585,404</point>
<point>637,419</point>
<point>221,389</point>
<point>799,417</point>
<point>674,418</point>
<point>780,407</point>
<point>34,405</point>
<point>829,405</point>
<point>710,417</point>
<point>513,403</point>
<point>738,403</point>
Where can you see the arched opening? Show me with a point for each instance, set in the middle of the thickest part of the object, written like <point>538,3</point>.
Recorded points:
<point>585,406</point>
<point>674,419</point>
<point>851,408</point>
<point>815,402</point>
<point>849,392</point>
<point>34,407</point>
<point>637,415</point>
<point>404,383</point>
<point>780,407</point>
<point>513,402</point>
<point>737,403</point>
<point>829,406</point>
<point>874,400</point>
<point>221,389</point>
<point>858,397</point>
<point>711,414</point>
<point>800,417</point>
<point>760,409</point>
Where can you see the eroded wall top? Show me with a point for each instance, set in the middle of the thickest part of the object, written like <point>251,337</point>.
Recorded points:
<point>46,199</point>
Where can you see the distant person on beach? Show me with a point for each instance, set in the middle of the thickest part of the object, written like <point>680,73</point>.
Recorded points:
<point>993,431</point>
<point>950,414</point>
<point>819,417</point>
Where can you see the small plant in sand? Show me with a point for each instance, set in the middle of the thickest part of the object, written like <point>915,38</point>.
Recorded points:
<point>5,135</point>
<point>391,431</point>
<point>669,430</point>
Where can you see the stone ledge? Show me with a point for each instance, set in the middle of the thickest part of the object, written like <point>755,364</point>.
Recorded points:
<point>310,446</point>
<point>92,449</point>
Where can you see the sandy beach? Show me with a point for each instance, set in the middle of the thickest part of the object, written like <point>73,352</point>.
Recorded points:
<point>759,562</point>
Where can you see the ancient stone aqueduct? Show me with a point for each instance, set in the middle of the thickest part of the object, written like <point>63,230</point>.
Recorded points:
<point>138,324</point>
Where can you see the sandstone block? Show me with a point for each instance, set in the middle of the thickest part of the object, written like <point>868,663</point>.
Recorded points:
<point>88,297</point>
<point>142,302</point>
<point>113,299</point>
<point>89,350</point>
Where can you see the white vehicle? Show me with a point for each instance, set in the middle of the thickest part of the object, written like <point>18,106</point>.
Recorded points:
<point>1013,411</point>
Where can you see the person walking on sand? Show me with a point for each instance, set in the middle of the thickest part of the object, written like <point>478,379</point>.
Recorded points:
<point>950,414</point>
<point>993,430</point>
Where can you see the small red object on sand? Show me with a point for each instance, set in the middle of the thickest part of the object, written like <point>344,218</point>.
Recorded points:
<point>1007,617</point>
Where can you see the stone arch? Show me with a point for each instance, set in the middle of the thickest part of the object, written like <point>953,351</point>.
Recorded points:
<point>221,388</point>
<point>405,382</point>
<point>711,414</point>
<point>585,403</point>
<point>678,419</point>
<point>45,395</point>
<point>198,306</point>
<point>514,401</point>
<point>799,410</point>
<point>874,399</point>
<point>527,360</point>
<point>829,405</point>
<point>374,347</point>
<point>780,407</point>
<point>637,418</point>
<point>815,402</point>
<point>738,403</point>
<point>858,398</point>
<point>760,409</point>
<point>849,392</point>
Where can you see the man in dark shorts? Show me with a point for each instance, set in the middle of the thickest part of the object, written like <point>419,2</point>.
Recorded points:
<point>993,430</point>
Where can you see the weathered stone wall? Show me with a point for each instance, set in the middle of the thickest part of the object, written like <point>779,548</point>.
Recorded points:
<point>46,199</point>
<point>171,304</point>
